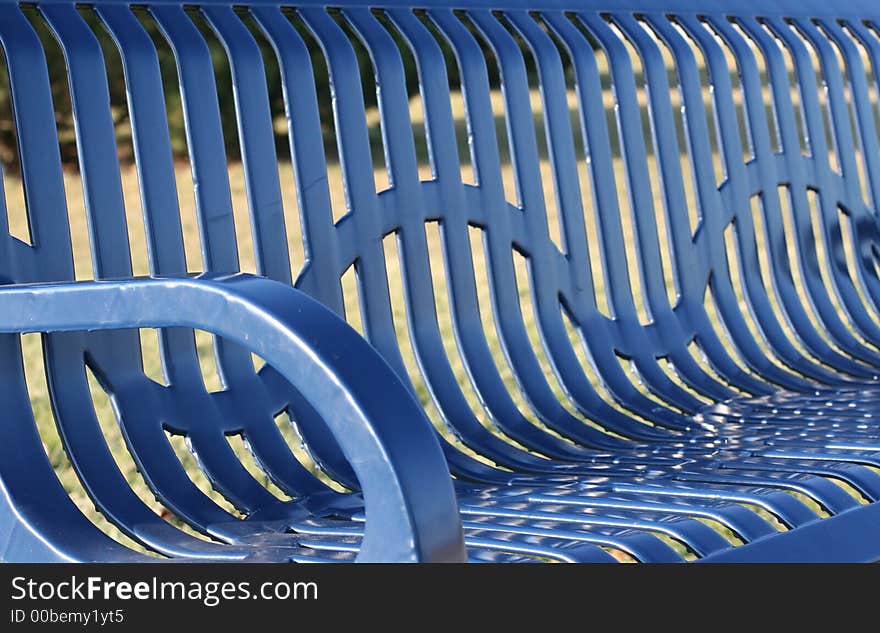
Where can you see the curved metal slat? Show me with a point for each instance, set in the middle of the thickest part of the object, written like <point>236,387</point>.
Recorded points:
<point>828,193</point>
<point>307,151</point>
<point>699,155</point>
<point>598,145</point>
<point>30,488</point>
<point>204,138</point>
<point>563,164</point>
<point>257,142</point>
<point>731,146</point>
<point>403,175</point>
<point>499,245</point>
<point>672,186</point>
<point>772,212</point>
<point>117,353</point>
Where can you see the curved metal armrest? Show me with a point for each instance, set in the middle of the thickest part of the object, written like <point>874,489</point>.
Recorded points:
<point>411,510</point>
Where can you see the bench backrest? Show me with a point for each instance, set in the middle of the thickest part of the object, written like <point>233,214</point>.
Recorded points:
<point>626,207</point>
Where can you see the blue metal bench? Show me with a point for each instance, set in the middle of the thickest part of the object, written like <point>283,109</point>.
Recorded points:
<point>686,376</point>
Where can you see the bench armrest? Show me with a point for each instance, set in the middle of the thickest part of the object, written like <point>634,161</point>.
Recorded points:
<point>411,510</point>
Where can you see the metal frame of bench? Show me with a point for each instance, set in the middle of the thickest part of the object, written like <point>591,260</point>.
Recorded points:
<point>740,455</point>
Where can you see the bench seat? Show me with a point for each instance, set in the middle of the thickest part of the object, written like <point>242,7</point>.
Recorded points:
<point>782,478</point>
<point>765,452</point>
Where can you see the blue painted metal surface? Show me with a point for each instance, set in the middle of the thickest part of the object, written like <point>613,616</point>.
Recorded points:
<point>721,407</point>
